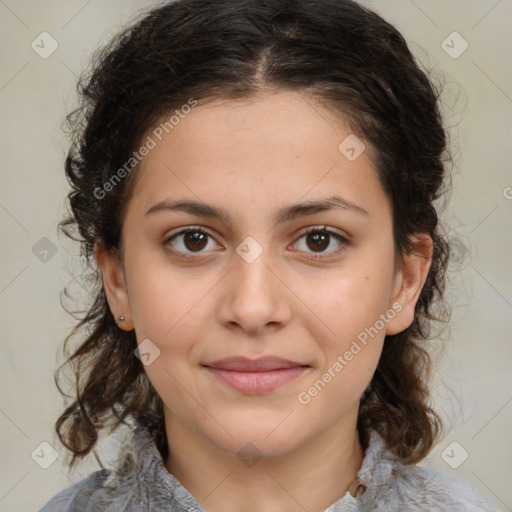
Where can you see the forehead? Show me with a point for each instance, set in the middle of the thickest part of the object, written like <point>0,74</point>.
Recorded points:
<point>277,148</point>
<point>286,121</point>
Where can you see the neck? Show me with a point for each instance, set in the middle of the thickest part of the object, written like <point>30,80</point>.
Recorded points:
<point>312,477</point>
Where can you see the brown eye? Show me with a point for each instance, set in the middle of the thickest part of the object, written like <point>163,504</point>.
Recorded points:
<point>195,240</point>
<point>319,239</point>
<point>189,241</point>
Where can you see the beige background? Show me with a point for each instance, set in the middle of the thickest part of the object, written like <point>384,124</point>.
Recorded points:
<point>472,386</point>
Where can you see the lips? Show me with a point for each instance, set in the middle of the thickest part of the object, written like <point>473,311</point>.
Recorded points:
<point>244,364</point>
<point>253,376</point>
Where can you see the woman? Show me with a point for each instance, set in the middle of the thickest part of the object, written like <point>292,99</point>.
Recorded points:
<point>254,184</point>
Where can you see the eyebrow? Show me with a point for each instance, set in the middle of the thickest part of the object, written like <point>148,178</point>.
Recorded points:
<point>286,213</point>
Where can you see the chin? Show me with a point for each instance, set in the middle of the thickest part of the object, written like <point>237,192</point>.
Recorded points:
<point>269,437</point>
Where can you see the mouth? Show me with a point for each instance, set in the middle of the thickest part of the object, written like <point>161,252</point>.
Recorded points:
<point>254,376</point>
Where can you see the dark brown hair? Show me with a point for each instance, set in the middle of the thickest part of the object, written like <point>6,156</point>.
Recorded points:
<point>335,52</point>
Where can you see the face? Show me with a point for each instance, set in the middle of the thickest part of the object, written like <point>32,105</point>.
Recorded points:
<point>252,282</point>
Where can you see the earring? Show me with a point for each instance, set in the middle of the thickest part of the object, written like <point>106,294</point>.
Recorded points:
<point>120,319</point>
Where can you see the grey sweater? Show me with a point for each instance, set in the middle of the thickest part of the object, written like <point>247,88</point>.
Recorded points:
<point>390,486</point>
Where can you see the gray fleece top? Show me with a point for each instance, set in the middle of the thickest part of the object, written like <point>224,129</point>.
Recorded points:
<point>390,486</point>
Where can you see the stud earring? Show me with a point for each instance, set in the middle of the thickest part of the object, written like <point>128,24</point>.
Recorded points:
<point>120,319</point>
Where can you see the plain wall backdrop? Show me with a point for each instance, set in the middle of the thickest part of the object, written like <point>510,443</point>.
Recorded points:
<point>469,41</point>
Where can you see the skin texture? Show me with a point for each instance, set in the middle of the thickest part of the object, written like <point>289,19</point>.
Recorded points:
<point>251,158</point>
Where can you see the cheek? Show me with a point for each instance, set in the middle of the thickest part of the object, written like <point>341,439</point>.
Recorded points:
<point>349,331</point>
<point>344,388</point>
<point>347,367</point>
<point>166,303</point>
<point>166,327</point>
<point>172,384</point>
<point>347,302</point>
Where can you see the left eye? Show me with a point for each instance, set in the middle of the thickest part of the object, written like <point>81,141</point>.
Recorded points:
<point>195,240</point>
<point>319,238</point>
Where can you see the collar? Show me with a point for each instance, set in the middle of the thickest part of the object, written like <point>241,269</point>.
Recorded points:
<point>158,490</point>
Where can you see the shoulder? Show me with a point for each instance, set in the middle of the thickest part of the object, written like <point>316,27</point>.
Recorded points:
<point>425,488</point>
<point>393,486</point>
<point>97,491</point>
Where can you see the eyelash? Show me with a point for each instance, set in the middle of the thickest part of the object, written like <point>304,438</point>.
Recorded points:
<point>314,229</point>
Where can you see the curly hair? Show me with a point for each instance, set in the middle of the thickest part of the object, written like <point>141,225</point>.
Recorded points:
<point>335,52</point>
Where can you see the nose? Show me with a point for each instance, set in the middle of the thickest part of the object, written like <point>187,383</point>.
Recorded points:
<point>255,298</point>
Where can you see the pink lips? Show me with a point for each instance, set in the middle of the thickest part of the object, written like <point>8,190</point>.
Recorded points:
<point>255,375</point>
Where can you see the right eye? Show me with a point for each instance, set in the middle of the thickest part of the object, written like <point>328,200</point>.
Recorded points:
<point>191,238</point>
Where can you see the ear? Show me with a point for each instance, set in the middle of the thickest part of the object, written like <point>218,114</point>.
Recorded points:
<point>114,283</point>
<point>409,282</point>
